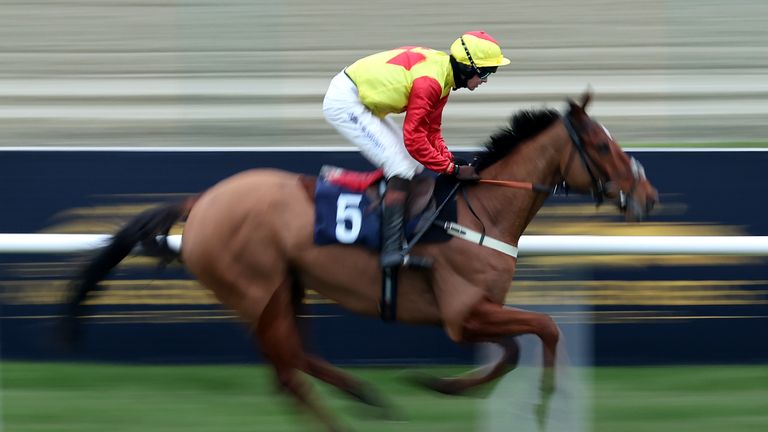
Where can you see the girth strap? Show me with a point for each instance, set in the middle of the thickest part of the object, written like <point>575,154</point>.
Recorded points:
<point>475,237</point>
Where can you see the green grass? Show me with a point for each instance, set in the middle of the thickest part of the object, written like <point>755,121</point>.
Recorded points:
<point>94,397</point>
<point>682,399</point>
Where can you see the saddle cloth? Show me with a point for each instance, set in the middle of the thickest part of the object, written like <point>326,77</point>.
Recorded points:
<point>348,207</point>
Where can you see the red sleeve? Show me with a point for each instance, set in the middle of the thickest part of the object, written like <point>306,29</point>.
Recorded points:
<point>424,104</point>
<point>435,134</point>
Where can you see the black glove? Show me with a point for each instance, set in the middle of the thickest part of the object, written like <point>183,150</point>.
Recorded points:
<point>466,173</point>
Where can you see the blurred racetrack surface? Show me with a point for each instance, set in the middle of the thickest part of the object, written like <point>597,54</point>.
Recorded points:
<point>253,73</point>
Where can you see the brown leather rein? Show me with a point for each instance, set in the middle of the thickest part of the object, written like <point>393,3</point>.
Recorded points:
<point>519,185</point>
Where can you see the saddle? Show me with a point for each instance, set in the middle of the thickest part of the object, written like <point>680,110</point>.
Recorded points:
<point>426,192</point>
<point>347,211</point>
<point>372,184</point>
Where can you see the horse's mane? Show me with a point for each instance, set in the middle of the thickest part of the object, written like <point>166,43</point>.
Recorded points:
<point>523,125</point>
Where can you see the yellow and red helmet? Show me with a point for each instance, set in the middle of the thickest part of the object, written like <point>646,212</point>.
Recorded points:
<point>478,49</point>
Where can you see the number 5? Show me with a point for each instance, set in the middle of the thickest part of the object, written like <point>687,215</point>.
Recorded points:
<point>349,219</point>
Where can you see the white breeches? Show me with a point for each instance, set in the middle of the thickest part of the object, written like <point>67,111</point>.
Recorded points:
<point>379,140</point>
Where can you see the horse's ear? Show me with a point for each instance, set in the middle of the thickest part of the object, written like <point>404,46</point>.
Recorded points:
<point>573,106</point>
<point>586,98</point>
<point>577,112</point>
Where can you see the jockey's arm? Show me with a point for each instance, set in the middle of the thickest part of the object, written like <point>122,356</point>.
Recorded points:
<point>435,134</point>
<point>421,128</point>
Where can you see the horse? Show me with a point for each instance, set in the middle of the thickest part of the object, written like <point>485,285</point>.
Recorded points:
<point>249,240</point>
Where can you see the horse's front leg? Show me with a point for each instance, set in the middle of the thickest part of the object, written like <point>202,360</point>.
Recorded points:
<point>474,378</point>
<point>488,320</point>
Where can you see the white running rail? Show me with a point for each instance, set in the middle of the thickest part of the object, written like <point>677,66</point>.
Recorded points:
<point>531,245</point>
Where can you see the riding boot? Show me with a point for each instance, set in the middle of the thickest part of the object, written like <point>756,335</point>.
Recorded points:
<point>392,224</point>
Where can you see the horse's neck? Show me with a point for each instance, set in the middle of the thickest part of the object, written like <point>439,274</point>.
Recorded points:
<point>510,211</point>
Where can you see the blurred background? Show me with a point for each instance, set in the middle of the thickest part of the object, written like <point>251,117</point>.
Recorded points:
<point>253,73</point>
<point>665,343</point>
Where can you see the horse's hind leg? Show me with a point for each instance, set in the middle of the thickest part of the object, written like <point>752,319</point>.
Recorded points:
<point>326,372</point>
<point>279,340</point>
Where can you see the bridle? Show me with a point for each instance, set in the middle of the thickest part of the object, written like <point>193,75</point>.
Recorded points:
<point>599,186</point>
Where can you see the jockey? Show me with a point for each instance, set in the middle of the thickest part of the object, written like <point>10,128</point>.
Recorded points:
<point>417,81</point>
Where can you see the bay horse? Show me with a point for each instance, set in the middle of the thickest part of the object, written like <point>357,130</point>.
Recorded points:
<point>249,239</point>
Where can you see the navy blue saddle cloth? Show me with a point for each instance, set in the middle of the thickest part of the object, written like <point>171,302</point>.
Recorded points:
<point>348,207</point>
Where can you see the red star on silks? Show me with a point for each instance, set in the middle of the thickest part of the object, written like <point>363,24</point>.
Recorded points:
<point>407,59</point>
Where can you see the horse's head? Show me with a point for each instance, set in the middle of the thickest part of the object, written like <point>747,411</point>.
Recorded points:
<point>597,163</point>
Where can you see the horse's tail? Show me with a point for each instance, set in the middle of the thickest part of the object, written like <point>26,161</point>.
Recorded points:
<point>142,230</point>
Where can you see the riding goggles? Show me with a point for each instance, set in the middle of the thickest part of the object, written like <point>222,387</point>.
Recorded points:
<point>482,73</point>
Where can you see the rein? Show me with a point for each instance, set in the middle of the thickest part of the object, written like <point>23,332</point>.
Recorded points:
<point>480,238</point>
<point>520,185</point>
<point>598,188</point>
<point>432,218</point>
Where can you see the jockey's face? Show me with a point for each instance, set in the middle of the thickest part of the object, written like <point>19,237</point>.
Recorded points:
<point>475,82</point>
